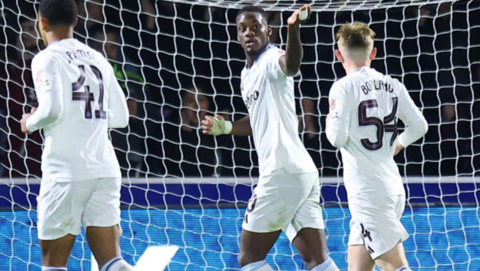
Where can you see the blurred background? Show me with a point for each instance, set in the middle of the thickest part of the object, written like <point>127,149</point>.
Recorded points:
<point>179,61</point>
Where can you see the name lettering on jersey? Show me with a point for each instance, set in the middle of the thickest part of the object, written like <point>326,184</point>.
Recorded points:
<point>72,55</point>
<point>377,85</point>
<point>251,98</point>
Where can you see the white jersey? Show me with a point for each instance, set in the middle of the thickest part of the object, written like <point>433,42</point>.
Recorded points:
<point>77,146</point>
<point>269,97</point>
<point>364,108</point>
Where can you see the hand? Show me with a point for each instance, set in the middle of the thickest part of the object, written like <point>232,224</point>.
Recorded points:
<point>398,148</point>
<point>23,122</point>
<point>295,17</point>
<point>216,126</point>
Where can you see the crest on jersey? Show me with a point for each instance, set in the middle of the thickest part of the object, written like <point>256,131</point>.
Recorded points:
<point>39,77</point>
<point>42,80</point>
<point>332,104</point>
<point>281,51</point>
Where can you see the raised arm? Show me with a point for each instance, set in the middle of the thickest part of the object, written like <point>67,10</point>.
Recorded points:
<point>415,123</point>
<point>290,62</point>
<point>219,126</point>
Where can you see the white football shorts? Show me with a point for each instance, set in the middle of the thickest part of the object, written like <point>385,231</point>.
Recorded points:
<point>284,201</point>
<point>376,223</point>
<point>63,207</point>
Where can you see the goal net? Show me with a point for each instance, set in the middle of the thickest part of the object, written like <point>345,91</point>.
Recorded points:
<point>184,194</point>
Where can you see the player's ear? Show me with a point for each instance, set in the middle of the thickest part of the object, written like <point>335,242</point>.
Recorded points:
<point>43,23</point>
<point>339,56</point>
<point>373,54</point>
<point>269,30</point>
<point>75,23</point>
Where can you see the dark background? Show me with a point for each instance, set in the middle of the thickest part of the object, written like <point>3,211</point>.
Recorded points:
<point>187,64</point>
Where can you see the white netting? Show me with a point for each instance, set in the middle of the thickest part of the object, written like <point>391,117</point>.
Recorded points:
<point>179,60</point>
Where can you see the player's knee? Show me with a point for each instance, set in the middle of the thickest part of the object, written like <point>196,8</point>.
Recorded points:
<point>243,259</point>
<point>246,258</point>
<point>309,262</point>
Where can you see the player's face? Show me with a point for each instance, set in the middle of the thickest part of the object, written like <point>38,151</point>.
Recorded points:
<point>253,33</point>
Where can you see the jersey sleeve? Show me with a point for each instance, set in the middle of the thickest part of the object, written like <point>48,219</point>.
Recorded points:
<point>274,69</point>
<point>117,104</point>
<point>48,88</point>
<point>46,73</point>
<point>415,123</point>
<point>340,115</point>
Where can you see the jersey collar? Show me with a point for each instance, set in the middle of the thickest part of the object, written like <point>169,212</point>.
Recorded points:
<point>258,56</point>
<point>360,68</point>
<point>58,41</point>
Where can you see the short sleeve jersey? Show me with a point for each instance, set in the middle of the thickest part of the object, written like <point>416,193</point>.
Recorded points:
<point>77,146</point>
<point>269,97</point>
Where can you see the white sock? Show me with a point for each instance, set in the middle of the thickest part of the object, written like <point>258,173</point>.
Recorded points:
<point>328,265</point>
<point>51,268</point>
<point>404,268</point>
<point>257,266</point>
<point>117,264</point>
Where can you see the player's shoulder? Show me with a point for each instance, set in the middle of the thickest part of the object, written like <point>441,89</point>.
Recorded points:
<point>45,57</point>
<point>274,50</point>
<point>341,85</point>
<point>272,53</point>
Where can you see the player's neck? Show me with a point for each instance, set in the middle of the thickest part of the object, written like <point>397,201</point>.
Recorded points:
<point>352,66</point>
<point>251,57</point>
<point>60,34</point>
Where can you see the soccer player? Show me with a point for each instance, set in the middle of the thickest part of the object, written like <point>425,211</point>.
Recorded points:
<point>364,108</point>
<point>288,192</point>
<point>79,99</point>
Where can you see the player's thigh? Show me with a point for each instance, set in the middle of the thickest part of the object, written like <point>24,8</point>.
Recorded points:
<point>359,259</point>
<point>270,210</point>
<point>103,207</point>
<point>312,246</point>
<point>57,252</point>
<point>375,224</point>
<point>60,206</point>
<point>101,219</point>
<point>273,203</point>
<point>393,259</point>
<point>255,246</point>
<point>104,243</point>
<point>307,228</point>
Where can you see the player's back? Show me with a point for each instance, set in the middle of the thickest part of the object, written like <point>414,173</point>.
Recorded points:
<point>77,146</point>
<point>368,153</point>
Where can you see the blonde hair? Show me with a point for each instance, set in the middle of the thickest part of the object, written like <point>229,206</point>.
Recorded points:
<point>355,40</point>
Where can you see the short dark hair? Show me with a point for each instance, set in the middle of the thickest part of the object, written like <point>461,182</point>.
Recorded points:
<point>59,12</point>
<point>251,8</point>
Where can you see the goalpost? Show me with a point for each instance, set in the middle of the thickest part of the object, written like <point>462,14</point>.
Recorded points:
<point>184,194</point>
